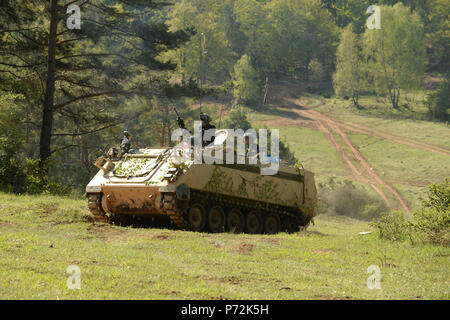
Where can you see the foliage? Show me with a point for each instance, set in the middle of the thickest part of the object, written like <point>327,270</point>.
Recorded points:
<point>348,79</point>
<point>438,196</point>
<point>133,61</point>
<point>18,173</point>
<point>439,102</point>
<point>396,53</point>
<point>246,85</point>
<point>431,223</point>
<point>392,226</point>
<point>237,120</point>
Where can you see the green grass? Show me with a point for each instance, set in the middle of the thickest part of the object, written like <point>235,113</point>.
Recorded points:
<point>403,165</point>
<point>309,146</point>
<point>407,168</point>
<point>313,150</point>
<point>383,118</point>
<point>40,236</point>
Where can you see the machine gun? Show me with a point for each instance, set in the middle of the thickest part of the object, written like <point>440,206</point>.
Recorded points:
<point>179,119</point>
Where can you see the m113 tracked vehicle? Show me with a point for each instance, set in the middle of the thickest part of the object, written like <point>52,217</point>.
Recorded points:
<point>153,185</point>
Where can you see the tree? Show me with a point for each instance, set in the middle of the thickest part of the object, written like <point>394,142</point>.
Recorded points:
<point>348,79</point>
<point>246,85</point>
<point>395,54</point>
<point>439,101</point>
<point>237,120</point>
<point>207,55</point>
<point>76,76</point>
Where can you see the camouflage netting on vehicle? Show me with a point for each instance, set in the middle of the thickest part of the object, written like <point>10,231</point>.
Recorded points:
<point>134,167</point>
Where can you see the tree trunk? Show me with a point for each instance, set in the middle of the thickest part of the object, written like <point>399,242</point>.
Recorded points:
<point>355,99</point>
<point>84,154</point>
<point>266,91</point>
<point>393,96</point>
<point>163,134</point>
<point>397,99</point>
<point>47,111</point>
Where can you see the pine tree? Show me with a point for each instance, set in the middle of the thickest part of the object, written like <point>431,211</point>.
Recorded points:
<point>73,77</point>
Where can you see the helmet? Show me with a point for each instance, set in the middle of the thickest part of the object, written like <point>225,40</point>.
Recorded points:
<point>205,117</point>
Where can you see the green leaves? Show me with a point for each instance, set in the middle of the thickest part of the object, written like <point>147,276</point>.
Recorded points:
<point>348,79</point>
<point>246,84</point>
<point>431,223</point>
<point>395,54</point>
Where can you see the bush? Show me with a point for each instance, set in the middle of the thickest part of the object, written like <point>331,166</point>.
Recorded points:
<point>23,175</point>
<point>432,226</point>
<point>392,226</point>
<point>438,196</point>
<point>343,198</point>
<point>237,120</point>
<point>430,223</point>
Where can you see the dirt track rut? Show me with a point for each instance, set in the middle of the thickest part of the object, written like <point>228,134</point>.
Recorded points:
<point>358,165</point>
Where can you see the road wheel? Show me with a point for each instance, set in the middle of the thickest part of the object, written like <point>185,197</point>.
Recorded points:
<point>254,222</point>
<point>272,224</point>
<point>216,219</point>
<point>197,217</point>
<point>235,221</point>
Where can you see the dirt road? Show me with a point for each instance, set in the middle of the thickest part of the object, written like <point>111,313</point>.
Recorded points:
<point>358,165</point>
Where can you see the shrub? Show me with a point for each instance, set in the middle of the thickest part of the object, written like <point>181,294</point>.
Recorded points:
<point>237,120</point>
<point>23,175</point>
<point>432,225</point>
<point>429,224</point>
<point>392,226</point>
<point>438,196</point>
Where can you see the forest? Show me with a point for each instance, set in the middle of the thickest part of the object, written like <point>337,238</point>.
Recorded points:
<point>71,81</point>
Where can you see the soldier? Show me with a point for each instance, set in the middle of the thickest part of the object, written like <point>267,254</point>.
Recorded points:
<point>251,145</point>
<point>206,125</point>
<point>126,142</point>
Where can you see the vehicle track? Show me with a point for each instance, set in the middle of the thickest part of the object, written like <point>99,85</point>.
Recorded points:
<point>368,131</point>
<point>354,158</point>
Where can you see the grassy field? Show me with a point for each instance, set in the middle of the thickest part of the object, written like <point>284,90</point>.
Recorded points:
<point>408,169</point>
<point>380,116</point>
<point>40,236</point>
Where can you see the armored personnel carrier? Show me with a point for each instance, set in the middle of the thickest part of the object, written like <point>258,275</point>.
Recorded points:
<point>152,184</point>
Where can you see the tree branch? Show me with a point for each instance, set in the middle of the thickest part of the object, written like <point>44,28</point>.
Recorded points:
<point>64,148</point>
<point>87,132</point>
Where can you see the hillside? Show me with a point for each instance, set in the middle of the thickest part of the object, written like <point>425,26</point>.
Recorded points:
<point>393,157</point>
<point>40,236</point>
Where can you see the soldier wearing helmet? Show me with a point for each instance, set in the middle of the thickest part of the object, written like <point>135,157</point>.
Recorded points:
<point>126,142</point>
<point>206,125</point>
